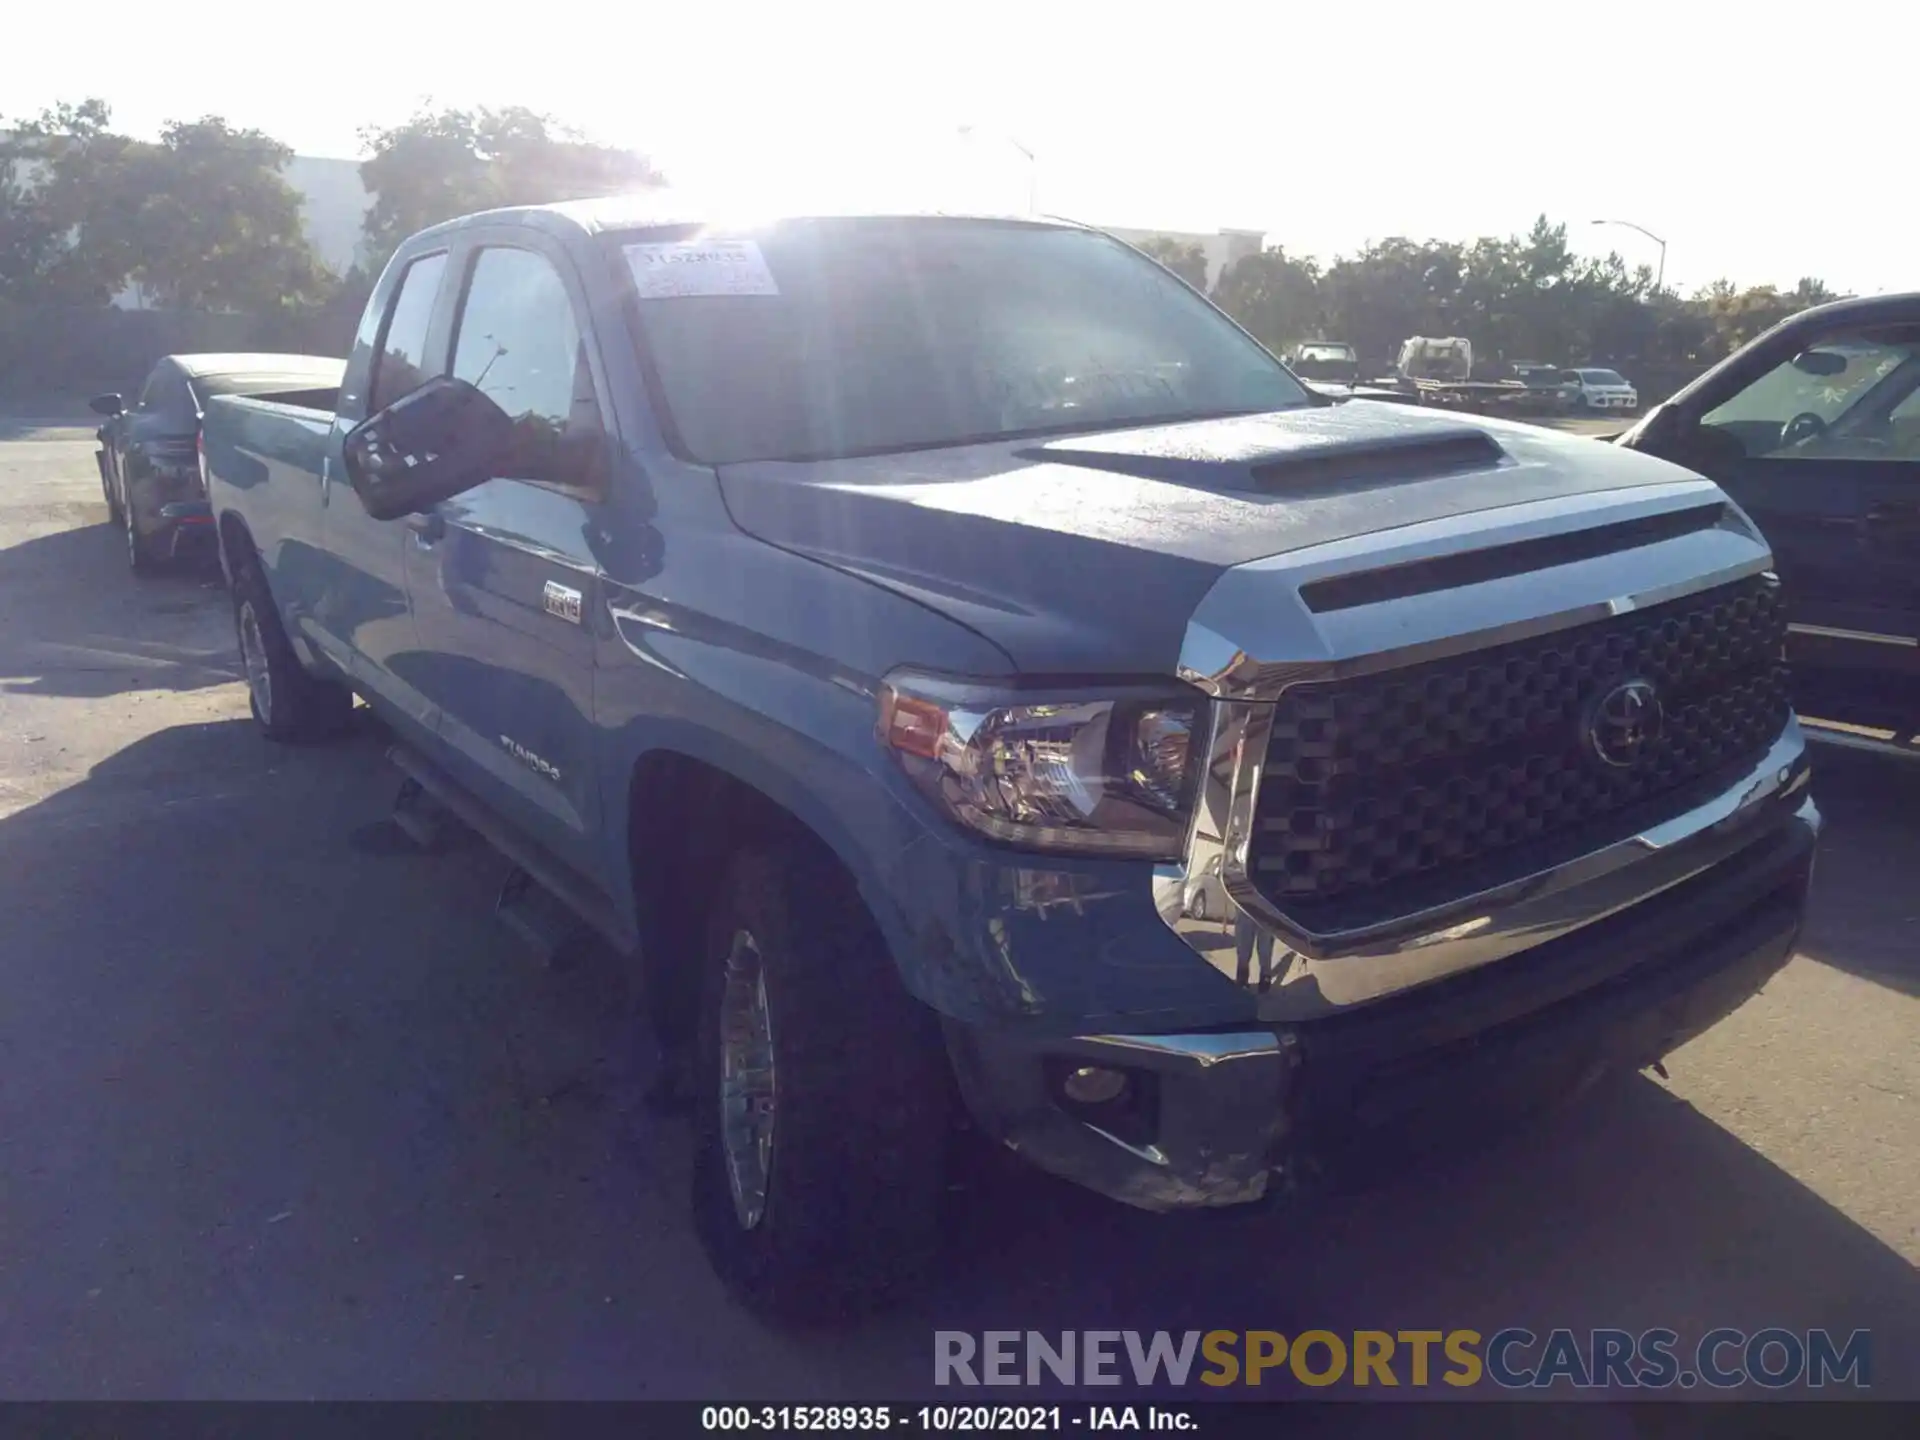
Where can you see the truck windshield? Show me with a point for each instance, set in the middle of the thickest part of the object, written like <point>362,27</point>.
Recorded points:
<point>864,337</point>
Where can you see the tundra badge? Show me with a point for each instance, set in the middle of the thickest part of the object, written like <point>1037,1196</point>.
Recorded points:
<point>533,762</point>
<point>562,600</point>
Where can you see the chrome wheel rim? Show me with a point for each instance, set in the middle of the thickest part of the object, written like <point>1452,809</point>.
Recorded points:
<point>253,654</point>
<point>746,1079</point>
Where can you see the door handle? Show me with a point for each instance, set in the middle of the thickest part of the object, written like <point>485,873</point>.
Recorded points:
<point>427,528</point>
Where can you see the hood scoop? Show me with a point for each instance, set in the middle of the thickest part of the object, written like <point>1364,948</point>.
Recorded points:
<point>1319,451</point>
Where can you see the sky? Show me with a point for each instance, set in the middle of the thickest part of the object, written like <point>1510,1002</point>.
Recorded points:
<point>1764,144</point>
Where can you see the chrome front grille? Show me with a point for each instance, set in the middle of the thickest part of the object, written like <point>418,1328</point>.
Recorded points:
<point>1404,779</point>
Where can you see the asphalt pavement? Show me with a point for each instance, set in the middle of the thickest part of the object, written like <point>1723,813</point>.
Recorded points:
<point>284,1113</point>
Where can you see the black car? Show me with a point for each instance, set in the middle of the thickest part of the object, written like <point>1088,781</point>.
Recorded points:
<point>1814,428</point>
<point>149,454</point>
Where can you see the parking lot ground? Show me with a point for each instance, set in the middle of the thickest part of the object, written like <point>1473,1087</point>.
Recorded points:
<point>285,1114</point>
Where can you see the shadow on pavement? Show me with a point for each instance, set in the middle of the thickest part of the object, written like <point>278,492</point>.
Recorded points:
<point>49,425</point>
<point>1865,916</point>
<point>97,630</point>
<point>1629,1209</point>
<point>286,1116</point>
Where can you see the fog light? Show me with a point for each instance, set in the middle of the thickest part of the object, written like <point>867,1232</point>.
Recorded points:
<point>1094,1085</point>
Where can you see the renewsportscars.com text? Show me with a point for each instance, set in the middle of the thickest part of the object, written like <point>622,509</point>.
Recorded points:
<point>1513,1358</point>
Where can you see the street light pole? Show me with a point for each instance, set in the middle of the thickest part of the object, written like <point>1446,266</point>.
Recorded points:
<point>1660,277</point>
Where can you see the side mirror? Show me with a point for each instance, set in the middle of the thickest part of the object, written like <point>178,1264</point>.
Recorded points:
<point>444,438</point>
<point>109,404</point>
<point>1820,362</point>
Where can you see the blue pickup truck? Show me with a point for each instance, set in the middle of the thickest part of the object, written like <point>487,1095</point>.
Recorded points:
<point>978,684</point>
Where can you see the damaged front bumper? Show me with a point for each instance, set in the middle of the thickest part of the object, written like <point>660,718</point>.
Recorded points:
<point>1227,1118</point>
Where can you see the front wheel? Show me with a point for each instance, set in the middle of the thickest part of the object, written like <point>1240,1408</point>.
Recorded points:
<point>287,702</point>
<point>821,1099</point>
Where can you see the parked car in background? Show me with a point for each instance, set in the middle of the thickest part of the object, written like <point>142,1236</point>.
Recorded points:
<point>1545,391</point>
<point>1588,389</point>
<point>1444,359</point>
<point>149,453</point>
<point>1814,428</point>
<point>1212,788</point>
<point>1334,362</point>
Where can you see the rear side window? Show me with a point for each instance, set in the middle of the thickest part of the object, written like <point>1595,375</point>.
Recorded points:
<point>400,367</point>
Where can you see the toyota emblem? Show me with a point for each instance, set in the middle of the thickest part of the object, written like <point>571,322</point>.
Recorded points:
<point>1626,723</point>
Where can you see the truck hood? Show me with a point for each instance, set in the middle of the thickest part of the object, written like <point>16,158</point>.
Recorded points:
<point>1087,554</point>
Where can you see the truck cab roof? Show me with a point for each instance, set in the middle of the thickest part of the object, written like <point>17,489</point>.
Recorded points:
<point>670,209</point>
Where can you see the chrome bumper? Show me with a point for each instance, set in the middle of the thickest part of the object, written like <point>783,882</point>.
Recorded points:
<point>1299,975</point>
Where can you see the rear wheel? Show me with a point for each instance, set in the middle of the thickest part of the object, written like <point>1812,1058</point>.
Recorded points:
<point>287,702</point>
<point>106,489</point>
<point>142,558</point>
<point>820,1100</point>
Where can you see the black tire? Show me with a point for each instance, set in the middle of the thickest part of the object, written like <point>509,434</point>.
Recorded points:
<point>142,559</point>
<point>856,1170</point>
<point>287,702</point>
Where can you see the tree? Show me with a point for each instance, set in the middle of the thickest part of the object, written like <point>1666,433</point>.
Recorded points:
<point>26,236</point>
<point>1394,289</point>
<point>1187,260</point>
<point>220,227</point>
<point>1276,299</point>
<point>70,192</point>
<point>203,219</point>
<point>444,163</point>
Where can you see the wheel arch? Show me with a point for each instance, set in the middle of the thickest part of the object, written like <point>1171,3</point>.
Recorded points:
<point>688,804</point>
<point>236,545</point>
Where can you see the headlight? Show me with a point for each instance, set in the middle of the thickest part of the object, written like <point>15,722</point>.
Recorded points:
<point>1107,773</point>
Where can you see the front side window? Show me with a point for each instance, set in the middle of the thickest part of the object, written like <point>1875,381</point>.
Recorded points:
<point>850,337</point>
<point>520,344</point>
<point>1841,398</point>
<point>400,367</point>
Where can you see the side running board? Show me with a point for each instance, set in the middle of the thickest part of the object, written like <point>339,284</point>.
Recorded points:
<point>561,881</point>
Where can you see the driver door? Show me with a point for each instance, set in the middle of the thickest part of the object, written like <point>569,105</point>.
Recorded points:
<point>1823,451</point>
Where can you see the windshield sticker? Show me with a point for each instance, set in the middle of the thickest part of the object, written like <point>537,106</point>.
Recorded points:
<point>685,268</point>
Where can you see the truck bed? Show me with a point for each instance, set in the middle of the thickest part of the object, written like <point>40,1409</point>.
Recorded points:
<point>288,430</point>
<point>264,456</point>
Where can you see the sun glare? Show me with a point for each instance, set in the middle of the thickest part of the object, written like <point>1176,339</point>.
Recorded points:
<point>741,176</point>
